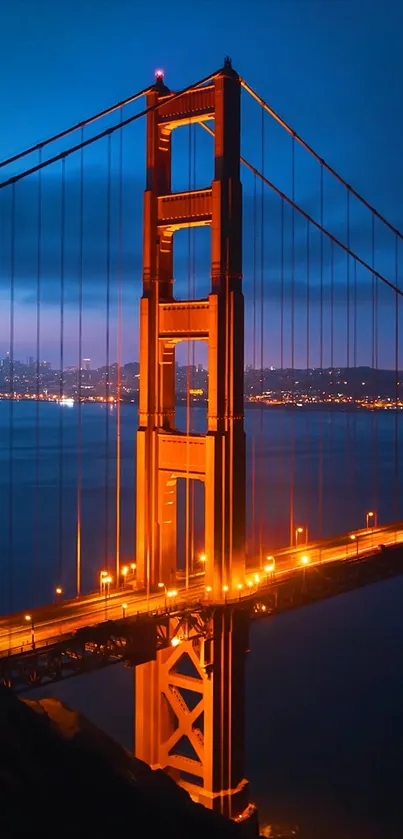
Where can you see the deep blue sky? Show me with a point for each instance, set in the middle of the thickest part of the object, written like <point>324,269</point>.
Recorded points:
<point>332,68</point>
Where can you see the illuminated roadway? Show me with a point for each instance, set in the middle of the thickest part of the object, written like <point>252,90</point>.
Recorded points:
<point>51,622</point>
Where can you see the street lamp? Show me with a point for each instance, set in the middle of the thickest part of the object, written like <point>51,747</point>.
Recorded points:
<point>354,538</point>
<point>124,609</point>
<point>58,592</point>
<point>102,576</point>
<point>270,567</point>
<point>30,620</point>
<point>298,531</point>
<point>239,587</point>
<point>225,590</point>
<point>371,519</point>
<point>125,572</point>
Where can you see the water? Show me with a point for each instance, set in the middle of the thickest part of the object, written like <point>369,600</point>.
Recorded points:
<point>347,461</point>
<point>324,686</point>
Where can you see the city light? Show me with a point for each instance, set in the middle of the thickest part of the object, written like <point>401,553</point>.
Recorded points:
<point>172,592</point>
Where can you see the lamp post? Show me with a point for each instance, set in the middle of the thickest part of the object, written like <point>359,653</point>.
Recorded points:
<point>298,531</point>
<point>124,609</point>
<point>58,592</point>
<point>30,620</point>
<point>354,538</point>
<point>225,590</point>
<point>270,568</point>
<point>106,580</point>
<point>371,519</point>
<point>125,572</point>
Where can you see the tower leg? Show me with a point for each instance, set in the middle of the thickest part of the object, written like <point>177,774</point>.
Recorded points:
<point>190,713</point>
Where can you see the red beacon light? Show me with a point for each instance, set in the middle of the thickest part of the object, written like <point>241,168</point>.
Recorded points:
<point>159,74</point>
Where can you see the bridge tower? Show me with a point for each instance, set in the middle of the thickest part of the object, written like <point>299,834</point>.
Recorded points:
<point>164,454</point>
<point>190,700</point>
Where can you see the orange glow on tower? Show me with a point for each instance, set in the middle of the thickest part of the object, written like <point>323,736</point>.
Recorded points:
<point>163,455</point>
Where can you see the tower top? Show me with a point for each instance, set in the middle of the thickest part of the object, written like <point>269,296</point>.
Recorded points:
<point>159,85</point>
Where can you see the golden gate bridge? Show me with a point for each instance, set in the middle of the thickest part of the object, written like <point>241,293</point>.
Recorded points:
<point>262,528</point>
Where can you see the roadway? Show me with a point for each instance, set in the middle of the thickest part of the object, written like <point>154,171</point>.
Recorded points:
<point>50,623</point>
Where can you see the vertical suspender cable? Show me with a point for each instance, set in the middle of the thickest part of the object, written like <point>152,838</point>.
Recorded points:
<point>321,366</point>
<point>292,353</point>
<point>254,365</point>
<point>79,375</point>
<point>352,471</point>
<point>283,467</point>
<point>350,495</point>
<point>38,372</point>
<point>374,380</point>
<point>187,482</point>
<point>11,557</point>
<point>398,373</point>
<point>308,417</point>
<point>261,442</point>
<point>107,350</point>
<point>61,375</point>
<point>333,376</point>
<point>193,428</point>
<point>119,357</point>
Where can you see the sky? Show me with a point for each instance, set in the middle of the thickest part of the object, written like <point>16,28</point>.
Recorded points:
<point>332,68</point>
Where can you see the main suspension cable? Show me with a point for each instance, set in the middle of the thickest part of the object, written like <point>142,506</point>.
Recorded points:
<point>106,133</point>
<point>312,221</point>
<point>319,159</point>
<point>79,126</point>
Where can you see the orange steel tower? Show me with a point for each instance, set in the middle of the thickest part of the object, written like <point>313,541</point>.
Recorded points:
<point>198,740</point>
<point>163,453</point>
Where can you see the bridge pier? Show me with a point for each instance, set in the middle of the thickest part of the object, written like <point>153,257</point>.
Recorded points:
<point>190,712</point>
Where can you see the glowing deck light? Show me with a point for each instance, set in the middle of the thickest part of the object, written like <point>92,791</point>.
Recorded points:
<point>305,560</point>
<point>175,642</point>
